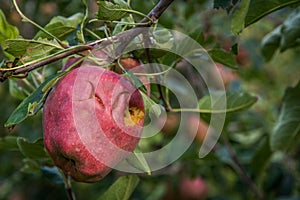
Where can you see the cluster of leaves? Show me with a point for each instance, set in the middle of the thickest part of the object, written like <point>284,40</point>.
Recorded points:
<point>285,36</point>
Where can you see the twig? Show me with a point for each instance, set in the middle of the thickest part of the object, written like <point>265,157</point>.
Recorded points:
<point>127,36</point>
<point>123,38</point>
<point>158,10</point>
<point>242,171</point>
<point>150,61</point>
<point>36,25</point>
<point>6,73</point>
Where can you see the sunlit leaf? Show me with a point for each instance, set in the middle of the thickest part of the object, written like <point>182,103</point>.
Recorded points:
<point>137,160</point>
<point>112,10</point>
<point>7,31</point>
<point>28,50</point>
<point>235,101</point>
<point>287,130</point>
<point>223,57</point>
<point>237,24</point>
<point>33,103</point>
<point>121,189</point>
<point>61,27</point>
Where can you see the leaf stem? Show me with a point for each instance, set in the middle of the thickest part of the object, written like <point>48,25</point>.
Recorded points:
<point>68,186</point>
<point>83,22</point>
<point>26,19</point>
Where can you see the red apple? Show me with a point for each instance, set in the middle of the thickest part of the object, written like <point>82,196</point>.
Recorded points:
<point>130,63</point>
<point>92,120</point>
<point>193,189</point>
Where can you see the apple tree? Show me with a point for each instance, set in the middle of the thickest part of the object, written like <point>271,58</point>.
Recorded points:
<point>160,99</point>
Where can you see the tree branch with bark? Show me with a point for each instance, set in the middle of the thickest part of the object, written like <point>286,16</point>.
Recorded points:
<point>123,38</point>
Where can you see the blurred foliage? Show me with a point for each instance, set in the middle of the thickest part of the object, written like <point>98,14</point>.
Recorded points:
<point>276,173</point>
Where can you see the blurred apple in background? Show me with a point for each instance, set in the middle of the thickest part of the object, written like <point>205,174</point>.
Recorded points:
<point>186,188</point>
<point>193,188</point>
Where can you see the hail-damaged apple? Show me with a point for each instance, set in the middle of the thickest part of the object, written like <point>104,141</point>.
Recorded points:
<point>92,120</point>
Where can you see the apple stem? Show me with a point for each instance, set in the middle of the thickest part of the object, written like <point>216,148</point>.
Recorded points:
<point>68,186</point>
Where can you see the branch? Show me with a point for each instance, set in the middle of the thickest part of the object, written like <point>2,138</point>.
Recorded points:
<point>123,38</point>
<point>158,10</point>
<point>127,36</point>
<point>242,171</point>
<point>150,61</point>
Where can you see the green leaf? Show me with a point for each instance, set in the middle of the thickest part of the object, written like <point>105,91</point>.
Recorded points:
<point>237,24</point>
<point>9,143</point>
<point>79,33</point>
<point>16,90</point>
<point>270,43</point>
<point>33,150</point>
<point>135,80</point>
<point>261,8</point>
<point>235,102</point>
<point>290,31</point>
<point>33,103</point>
<point>121,189</point>
<point>7,31</point>
<point>61,27</point>
<point>30,166</point>
<point>112,10</point>
<point>138,161</point>
<point>261,156</point>
<point>223,57</point>
<point>28,50</point>
<point>284,36</point>
<point>287,130</point>
<point>151,106</point>
<point>198,35</point>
